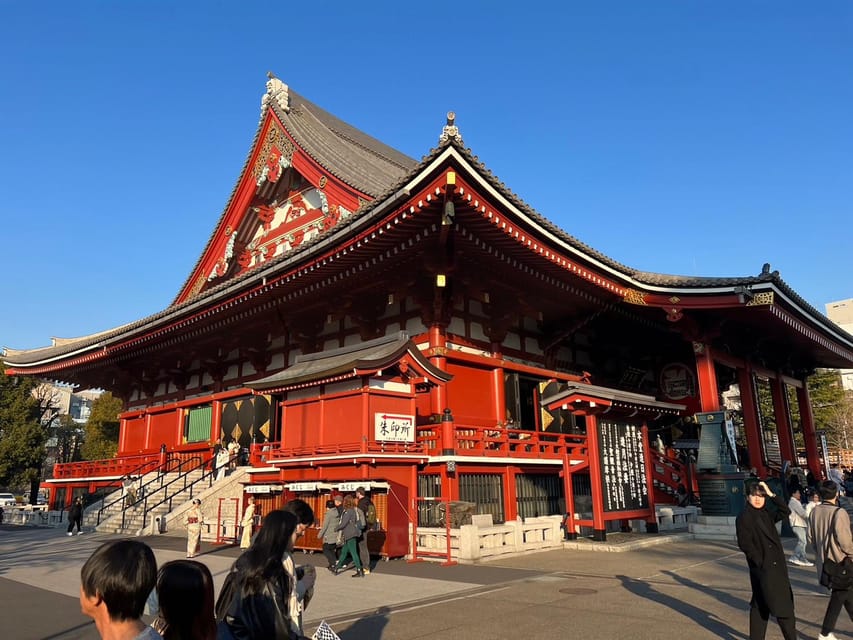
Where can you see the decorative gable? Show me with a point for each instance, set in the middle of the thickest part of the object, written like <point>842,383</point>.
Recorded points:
<point>283,201</point>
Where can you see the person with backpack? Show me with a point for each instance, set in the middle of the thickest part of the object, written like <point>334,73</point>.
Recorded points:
<point>368,511</point>
<point>352,530</point>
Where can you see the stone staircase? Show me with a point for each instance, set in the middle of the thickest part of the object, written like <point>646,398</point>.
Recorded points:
<point>175,485</point>
<point>177,489</point>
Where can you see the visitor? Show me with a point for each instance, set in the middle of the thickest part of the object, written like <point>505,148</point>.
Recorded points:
<point>115,583</point>
<point>193,521</point>
<point>351,533</point>
<point>252,602</point>
<point>768,572</point>
<point>248,523</point>
<point>798,522</point>
<point>328,532</point>
<point>829,532</point>
<point>185,600</point>
<point>75,517</point>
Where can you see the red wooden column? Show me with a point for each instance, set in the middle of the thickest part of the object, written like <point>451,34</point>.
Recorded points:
<point>569,492</point>
<point>750,421</point>
<point>437,345</point>
<point>809,433</point>
<point>709,395</point>
<point>599,531</point>
<point>652,520</point>
<point>499,394</point>
<point>511,494</point>
<point>216,421</point>
<point>783,421</point>
<point>122,435</point>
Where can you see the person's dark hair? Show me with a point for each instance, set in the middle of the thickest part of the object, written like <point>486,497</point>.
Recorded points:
<point>185,595</point>
<point>755,489</point>
<point>263,560</point>
<point>360,491</point>
<point>330,504</point>
<point>302,510</point>
<point>828,490</point>
<point>122,573</point>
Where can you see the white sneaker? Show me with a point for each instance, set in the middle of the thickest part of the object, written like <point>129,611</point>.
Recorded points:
<point>69,534</point>
<point>795,561</point>
<point>79,533</point>
<point>829,636</point>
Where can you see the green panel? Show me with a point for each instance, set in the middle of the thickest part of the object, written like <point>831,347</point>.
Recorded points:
<point>198,424</point>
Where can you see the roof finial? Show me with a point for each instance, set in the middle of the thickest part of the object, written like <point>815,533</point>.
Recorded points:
<point>450,131</point>
<point>277,91</point>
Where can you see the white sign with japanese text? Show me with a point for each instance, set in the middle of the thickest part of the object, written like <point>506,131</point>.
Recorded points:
<point>393,427</point>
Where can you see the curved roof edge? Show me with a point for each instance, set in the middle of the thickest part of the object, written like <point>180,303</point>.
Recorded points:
<point>450,142</point>
<point>343,362</point>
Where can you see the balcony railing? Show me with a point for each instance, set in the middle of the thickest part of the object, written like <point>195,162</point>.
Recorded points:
<point>503,442</point>
<point>467,441</point>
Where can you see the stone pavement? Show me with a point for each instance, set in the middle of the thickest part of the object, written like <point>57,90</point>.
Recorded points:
<point>682,589</point>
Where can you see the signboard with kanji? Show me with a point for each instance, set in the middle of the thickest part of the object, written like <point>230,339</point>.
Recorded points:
<point>393,427</point>
<point>623,466</point>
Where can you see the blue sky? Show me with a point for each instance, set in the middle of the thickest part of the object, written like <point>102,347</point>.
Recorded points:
<point>696,138</point>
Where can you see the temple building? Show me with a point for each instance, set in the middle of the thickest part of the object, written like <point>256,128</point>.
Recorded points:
<point>362,318</point>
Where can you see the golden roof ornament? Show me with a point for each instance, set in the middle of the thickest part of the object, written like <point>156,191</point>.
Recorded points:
<point>277,92</point>
<point>450,131</point>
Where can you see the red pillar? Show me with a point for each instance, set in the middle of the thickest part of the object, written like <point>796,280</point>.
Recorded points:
<point>499,394</point>
<point>511,495</point>
<point>709,396</point>
<point>750,421</point>
<point>438,344</point>
<point>599,531</point>
<point>652,520</point>
<point>809,432</point>
<point>783,422</point>
<point>569,492</point>
<point>448,439</point>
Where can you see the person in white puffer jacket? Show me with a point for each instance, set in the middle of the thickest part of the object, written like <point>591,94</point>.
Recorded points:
<point>798,521</point>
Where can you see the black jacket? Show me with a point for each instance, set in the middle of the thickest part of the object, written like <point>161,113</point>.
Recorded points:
<point>76,511</point>
<point>768,570</point>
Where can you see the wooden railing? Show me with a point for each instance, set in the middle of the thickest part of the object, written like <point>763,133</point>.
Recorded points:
<point>135,464</point>
<point>668,473</point>
<point>502,442</point>
<point>467,441</point>
<point>261,453</point>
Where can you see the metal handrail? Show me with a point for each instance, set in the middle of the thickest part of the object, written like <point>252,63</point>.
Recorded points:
<point>162,469</point>
<point>136,471</point>
<point>208,475</point>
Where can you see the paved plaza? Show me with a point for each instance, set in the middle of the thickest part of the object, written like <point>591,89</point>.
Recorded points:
<point>682,589</point>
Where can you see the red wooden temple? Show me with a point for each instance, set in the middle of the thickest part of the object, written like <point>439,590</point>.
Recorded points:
<point>359,317</point>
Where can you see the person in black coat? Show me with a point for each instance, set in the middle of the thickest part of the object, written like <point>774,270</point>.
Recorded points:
<point>75,517</point>
<point>768,571</point>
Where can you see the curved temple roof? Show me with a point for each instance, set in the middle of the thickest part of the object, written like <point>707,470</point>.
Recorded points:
<point>378,170</point>
<point>364,357</point>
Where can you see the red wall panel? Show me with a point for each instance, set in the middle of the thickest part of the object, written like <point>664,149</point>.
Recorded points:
<point>163,430</point>
<point>134,439</point>
<point>470,396</point>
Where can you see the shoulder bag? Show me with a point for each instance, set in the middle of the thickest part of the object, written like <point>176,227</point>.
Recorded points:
<point>835,575</point>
